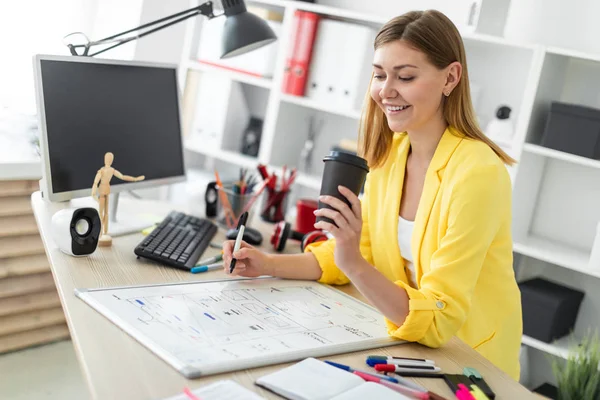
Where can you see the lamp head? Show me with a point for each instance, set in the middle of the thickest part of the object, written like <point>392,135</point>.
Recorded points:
<point>243,31</point>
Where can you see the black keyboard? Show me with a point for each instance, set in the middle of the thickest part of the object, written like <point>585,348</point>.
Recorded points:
<point>178,241</point>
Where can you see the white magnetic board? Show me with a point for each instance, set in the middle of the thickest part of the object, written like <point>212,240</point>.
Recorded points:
<point>210,327</point>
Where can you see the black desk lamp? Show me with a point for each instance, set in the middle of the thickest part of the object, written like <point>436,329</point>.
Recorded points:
<point>243,31</point>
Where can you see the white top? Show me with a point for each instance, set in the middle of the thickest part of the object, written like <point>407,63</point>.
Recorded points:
<point>405,230</point>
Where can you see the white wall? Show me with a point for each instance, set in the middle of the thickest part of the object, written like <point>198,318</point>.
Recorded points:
<point>165,45</point>
<point>569,24</point>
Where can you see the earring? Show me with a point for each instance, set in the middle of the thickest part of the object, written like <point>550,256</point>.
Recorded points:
<point>447,93</point>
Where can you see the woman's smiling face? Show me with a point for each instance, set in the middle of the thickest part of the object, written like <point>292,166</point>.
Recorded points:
<point>408,88</point>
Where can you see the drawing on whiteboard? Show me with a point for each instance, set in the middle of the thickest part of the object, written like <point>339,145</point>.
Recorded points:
<point>204,323</point>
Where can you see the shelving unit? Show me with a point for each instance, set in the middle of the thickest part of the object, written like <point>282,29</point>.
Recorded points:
<point>556,194</point>
<point>559,348</point>
<point>236,76</point>
<point>561,155</point>
<point>555,253</point>
<point>328,108</point>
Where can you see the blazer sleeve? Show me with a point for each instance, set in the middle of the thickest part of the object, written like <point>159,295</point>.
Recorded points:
<point>323,251</point>
<point>480,203</point>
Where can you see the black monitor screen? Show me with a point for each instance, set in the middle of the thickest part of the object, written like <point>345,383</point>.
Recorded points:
<point>91,109</point>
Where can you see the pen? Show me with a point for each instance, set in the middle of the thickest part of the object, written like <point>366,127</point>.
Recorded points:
<point>398,388</point>
<point>210,260</point>
<point>350,369</point>
<point>401,363</point>
<point>238,240</point>
<point>412,374</point>
<point>424,369</point>
<point>391,360</point>
<point>203,268</point>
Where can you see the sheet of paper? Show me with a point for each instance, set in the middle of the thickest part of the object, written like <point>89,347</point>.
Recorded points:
<point>221,390</point>
<point>310,379</point>
<point>371,390</point>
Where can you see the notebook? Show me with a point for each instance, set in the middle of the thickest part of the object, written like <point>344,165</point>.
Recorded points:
<point>312,379</point>
<point>221,390</point>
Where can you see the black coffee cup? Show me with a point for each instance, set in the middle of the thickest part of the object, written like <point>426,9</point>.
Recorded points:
<point>342,169</point>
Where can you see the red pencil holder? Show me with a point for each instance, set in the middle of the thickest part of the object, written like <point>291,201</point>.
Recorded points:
<point>275,205</point>
<point>305,219</point>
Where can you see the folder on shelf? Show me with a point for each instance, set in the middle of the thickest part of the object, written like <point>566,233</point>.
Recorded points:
<point>341,65</point>
<point>352,81</point>
<point>285,87</point>
<point>302,52</point>
<point>324,66</point>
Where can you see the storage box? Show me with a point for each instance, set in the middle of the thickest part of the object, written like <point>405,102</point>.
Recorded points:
<point>573,129</point>
<point>549,309</point>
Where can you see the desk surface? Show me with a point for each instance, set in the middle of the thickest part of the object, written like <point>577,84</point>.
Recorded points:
<point>116,366</point>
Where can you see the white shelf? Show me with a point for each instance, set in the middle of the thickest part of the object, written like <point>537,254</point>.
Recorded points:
<point>561,155</point>
<point>224,155</point>
<point>573,53</point>
<point>309,103</point>
<point>30,170</point>
<point>232,74</point>
<point>559,348</point>
<point>555,253</point>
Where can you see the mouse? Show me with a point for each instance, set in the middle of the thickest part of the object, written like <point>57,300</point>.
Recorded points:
<point>251,236</point>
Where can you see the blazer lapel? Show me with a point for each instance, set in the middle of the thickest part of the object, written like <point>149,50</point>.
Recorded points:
<point>448,143</point>
<point>394,185</point>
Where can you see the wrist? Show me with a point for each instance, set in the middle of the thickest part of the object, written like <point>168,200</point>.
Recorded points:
<point>270,266</point>
<point>358,268</point>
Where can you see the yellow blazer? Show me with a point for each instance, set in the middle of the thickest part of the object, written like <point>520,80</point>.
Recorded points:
<point>461,245</point>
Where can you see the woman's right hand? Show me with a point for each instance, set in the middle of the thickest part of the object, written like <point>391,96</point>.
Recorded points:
<point>250,263</point>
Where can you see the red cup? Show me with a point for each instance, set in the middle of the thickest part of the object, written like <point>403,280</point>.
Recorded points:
<point>305,219</point>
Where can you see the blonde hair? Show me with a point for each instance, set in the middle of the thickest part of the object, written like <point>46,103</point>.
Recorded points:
<point>435,35</point>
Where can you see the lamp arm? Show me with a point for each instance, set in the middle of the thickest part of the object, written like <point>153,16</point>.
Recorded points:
<point>205,9</point>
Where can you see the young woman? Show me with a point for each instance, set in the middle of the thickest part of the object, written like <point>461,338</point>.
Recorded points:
<point>431,247</point>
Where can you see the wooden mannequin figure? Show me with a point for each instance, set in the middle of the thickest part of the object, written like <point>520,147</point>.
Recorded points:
<point>102,186</point>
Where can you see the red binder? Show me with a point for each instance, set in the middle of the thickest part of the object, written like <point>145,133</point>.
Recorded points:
<point>302,53</point>
<point>285,87</point>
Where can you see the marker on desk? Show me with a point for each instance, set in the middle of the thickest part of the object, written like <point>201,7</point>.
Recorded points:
<point>371,362</point>
<point>394,360</point>
<point>211,260</point>
<point>405,390</point>
<point>350,369</point>
<point>238,240</point>
<point>203,268</point>
<point>424,369</point>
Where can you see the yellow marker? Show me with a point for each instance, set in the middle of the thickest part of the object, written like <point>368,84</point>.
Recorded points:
<point>477,393</point>
<point>147,231</point>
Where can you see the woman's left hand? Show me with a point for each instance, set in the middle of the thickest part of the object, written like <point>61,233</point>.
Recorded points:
<point>348,229</point>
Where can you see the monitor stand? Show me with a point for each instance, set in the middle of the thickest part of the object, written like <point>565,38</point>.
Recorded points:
<point>124,225</point>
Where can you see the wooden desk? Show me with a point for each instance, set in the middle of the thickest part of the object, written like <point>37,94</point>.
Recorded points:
<point>116,366</point>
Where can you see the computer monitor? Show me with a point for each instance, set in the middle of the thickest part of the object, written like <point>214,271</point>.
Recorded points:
<point>88,107</point>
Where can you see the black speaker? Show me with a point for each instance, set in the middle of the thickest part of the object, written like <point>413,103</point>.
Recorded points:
<point>76,230</point>
<point>549,309</point>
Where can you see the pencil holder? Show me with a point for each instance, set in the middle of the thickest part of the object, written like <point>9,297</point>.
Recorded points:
<point>275,205</point>
<point>237,202</point>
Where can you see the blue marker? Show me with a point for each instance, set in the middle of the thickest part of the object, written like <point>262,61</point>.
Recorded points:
<point>204,268</point>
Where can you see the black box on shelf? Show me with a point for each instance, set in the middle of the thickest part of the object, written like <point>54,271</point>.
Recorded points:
<point>573,129</point>
<point>549,309</point>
